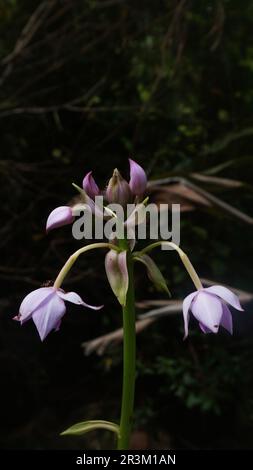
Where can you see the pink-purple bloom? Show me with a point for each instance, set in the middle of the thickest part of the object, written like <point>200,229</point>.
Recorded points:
<point>60,216</point>
<point>208,306</point>
<point>46,306</point>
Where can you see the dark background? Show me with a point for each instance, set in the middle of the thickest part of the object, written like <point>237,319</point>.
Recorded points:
<point>84,85</point>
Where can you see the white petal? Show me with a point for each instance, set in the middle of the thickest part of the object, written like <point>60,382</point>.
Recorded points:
<point>226,295</point>
<point>207,309</point>
<point>186,306</point>
<point>49,315</point>
<point>76,299</point>
<point>32,301</point>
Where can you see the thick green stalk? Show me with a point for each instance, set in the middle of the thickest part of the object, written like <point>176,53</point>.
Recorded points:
<point>129,353</point>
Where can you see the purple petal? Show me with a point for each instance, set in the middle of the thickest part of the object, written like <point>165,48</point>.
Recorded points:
<point>90,186</point>
<point>32,301</point>
<point>226,319</point>
<point>57,327</point>
<point>207,309</point>
<point>204,328</point>
<point>117,274</point>
<point>138,178</point>
<point>76,299</point>
<point>48,316</point>
<point>60,216</point>
<point>186,306</point>
<point>226,295</point>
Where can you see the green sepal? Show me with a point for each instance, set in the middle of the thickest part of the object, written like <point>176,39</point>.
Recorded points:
<point>153,271</point>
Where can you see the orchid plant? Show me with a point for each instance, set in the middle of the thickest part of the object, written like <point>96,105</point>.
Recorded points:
<point>46,305</point>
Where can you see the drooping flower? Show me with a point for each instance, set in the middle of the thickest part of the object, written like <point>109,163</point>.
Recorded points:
<point>90,186</point>
<point>208,306</point>
<point>60,216</point>
<point>138,178</point>
<point>46,306</point>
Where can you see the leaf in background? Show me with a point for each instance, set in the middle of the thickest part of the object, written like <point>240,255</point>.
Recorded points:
<point>87,426</point>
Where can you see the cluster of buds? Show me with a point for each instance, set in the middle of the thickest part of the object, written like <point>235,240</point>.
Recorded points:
<point>117,191</point>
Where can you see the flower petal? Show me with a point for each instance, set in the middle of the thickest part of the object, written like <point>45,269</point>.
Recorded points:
<point>117,273</point>
<point>32,301</point>
<point>60,216</point>
<point>138,178</point>
<point>90,186</point>
<point>226,295</point>
<point>186,306</point>
<point>207,309</point>
<point>118,190</point>
<point>226,319</point>
<point>76,299</point>
<point>48,316</point>
<point>204,329</point>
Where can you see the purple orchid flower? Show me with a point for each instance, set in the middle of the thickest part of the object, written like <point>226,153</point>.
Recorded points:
<point>208,307</point>
<point>46,306</point>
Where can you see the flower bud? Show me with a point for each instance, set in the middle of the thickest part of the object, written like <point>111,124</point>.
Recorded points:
<point>58,217</point>
<point>90,186</point>
<point>118,190</point>
<point>138,178</point>
<point>117,274</point>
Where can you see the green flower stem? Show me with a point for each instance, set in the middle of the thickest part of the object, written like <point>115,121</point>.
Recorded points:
<point>184,258</point>
<point>129,359</point>
<point>72,259</point>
